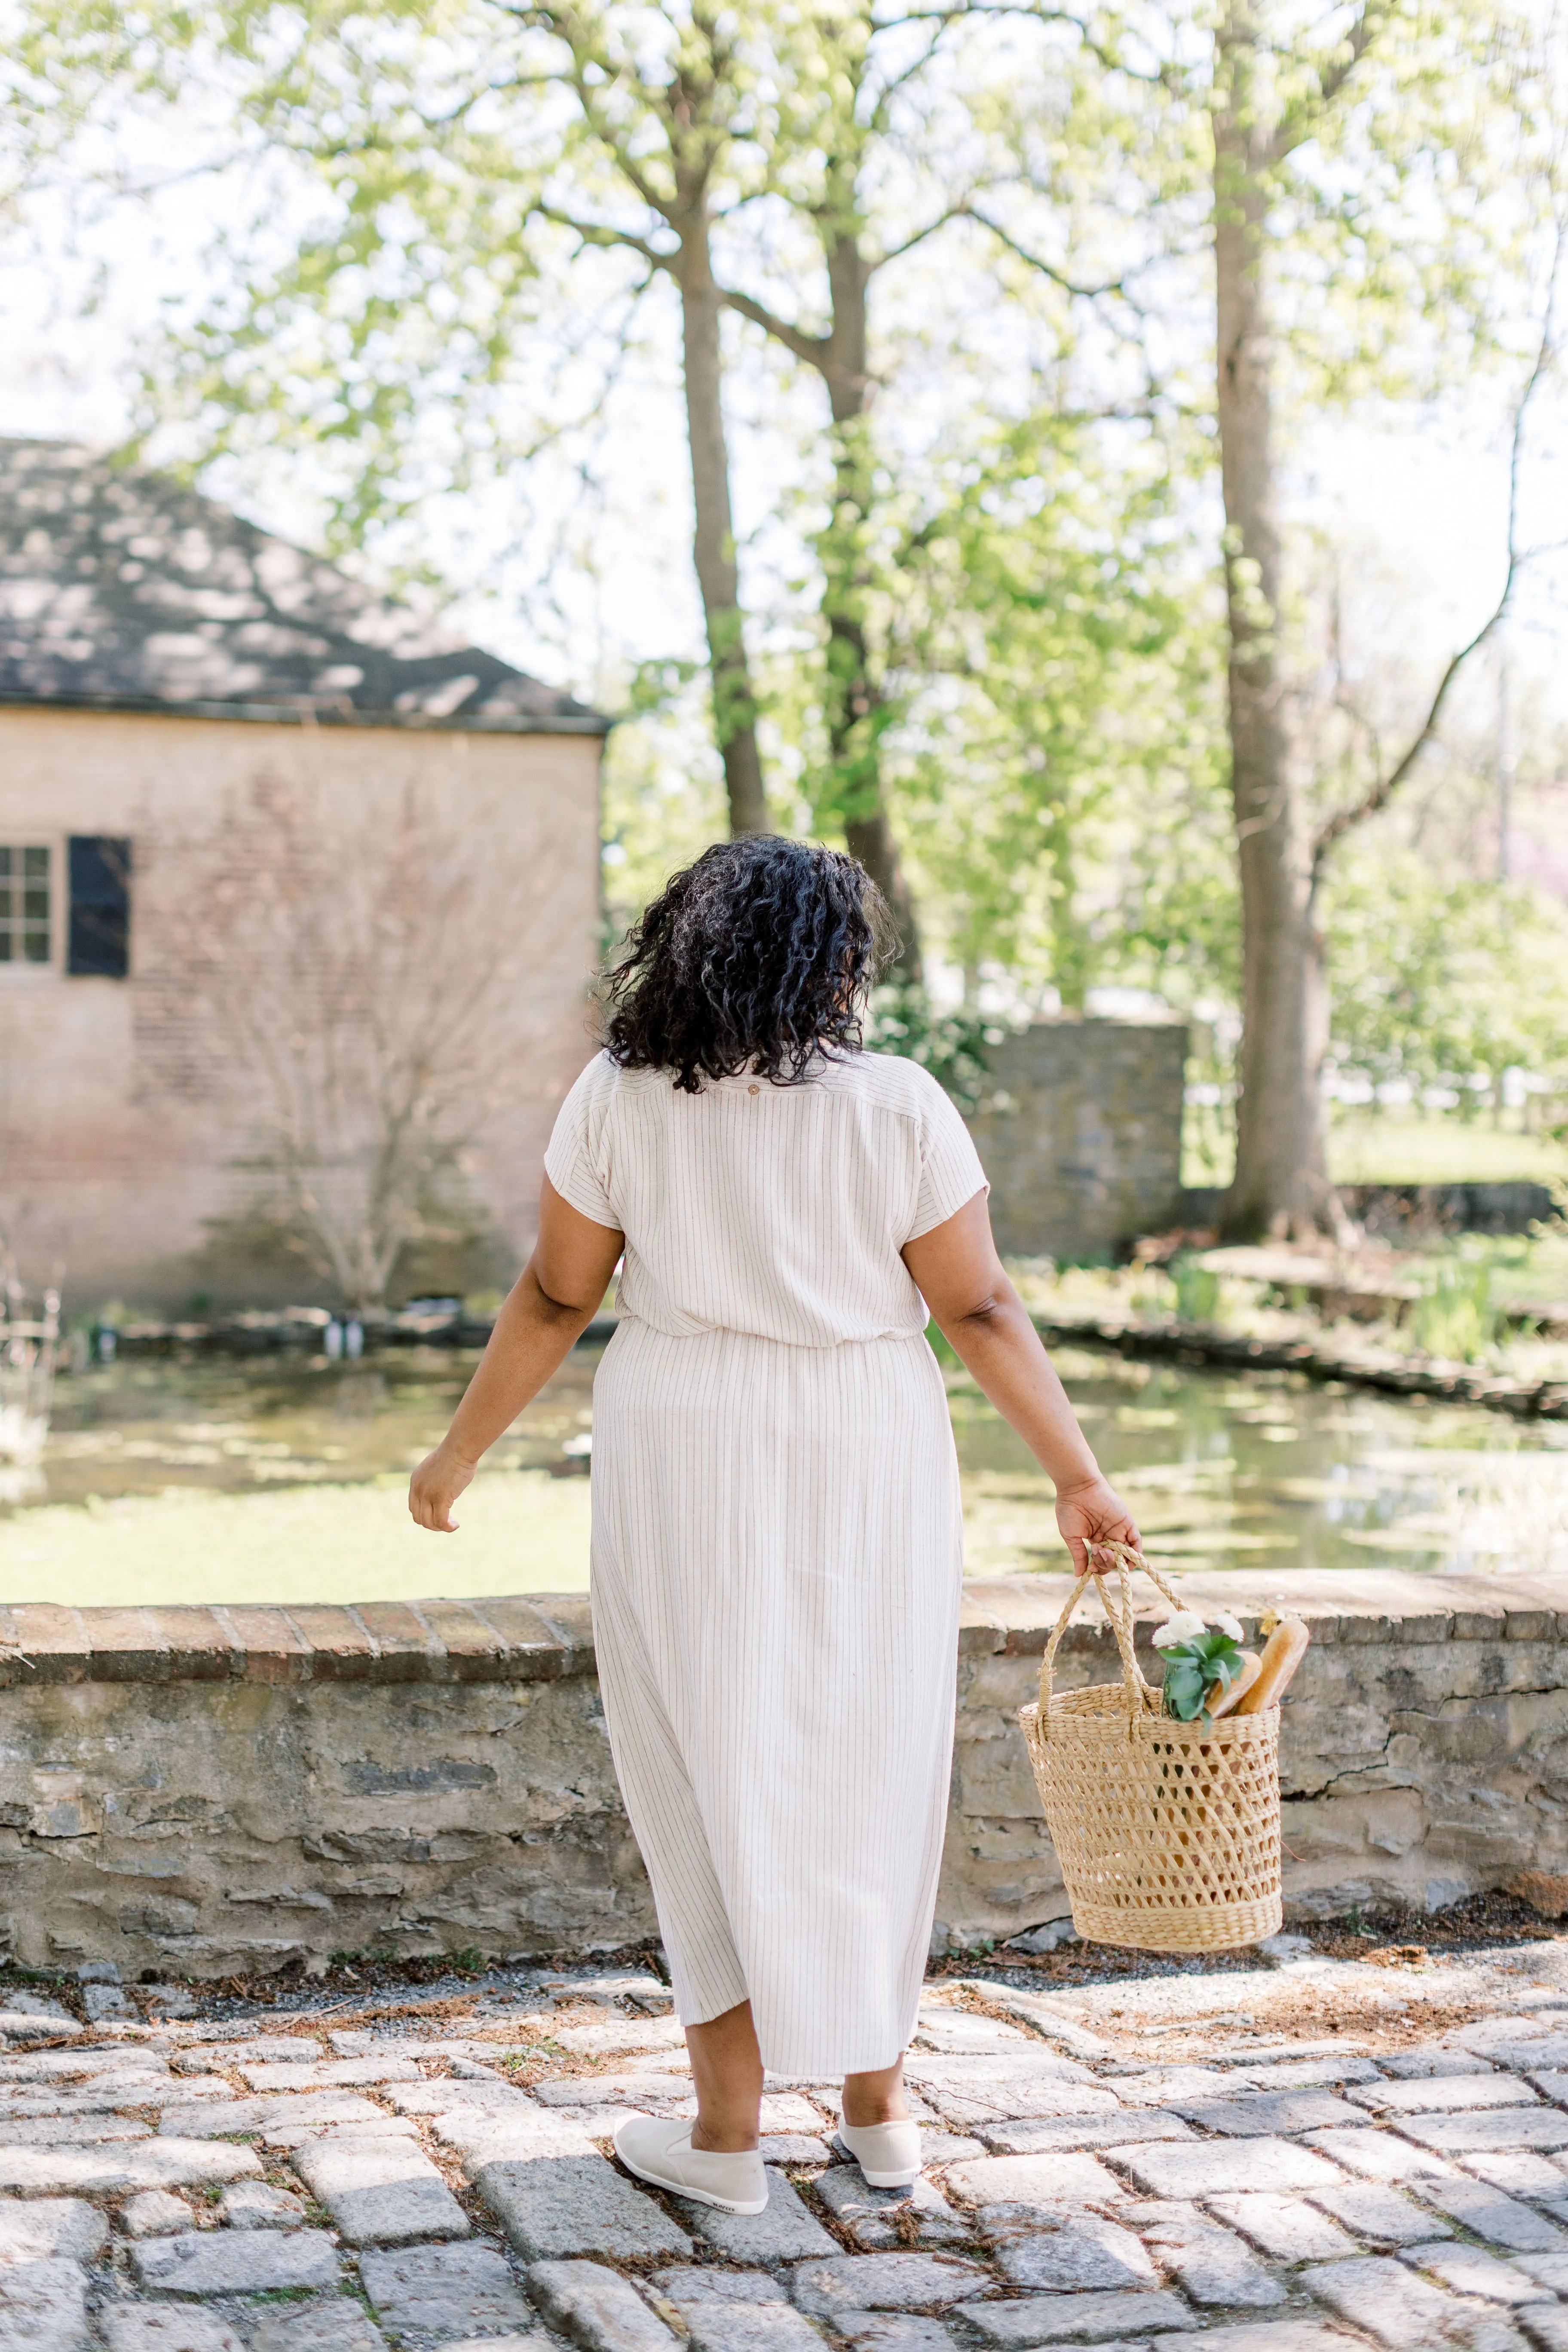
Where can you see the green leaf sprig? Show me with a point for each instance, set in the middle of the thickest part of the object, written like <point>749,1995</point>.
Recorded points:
<point>1197,1657</point>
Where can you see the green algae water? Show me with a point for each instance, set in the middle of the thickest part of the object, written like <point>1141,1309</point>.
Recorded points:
<point>284,1481</point>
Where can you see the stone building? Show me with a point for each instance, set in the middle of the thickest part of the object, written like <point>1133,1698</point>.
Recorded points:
<point>272,849</point>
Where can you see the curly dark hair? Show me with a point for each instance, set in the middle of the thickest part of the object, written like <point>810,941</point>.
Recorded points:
<point>758,956</point>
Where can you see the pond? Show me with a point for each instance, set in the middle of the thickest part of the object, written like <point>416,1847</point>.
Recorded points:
<point>166,1480</point>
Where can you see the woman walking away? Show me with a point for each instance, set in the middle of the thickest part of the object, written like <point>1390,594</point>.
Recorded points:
<point>776,1547</point>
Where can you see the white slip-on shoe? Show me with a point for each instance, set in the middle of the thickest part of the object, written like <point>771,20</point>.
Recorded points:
<point>888,2154</point>
<point>659,2150</point>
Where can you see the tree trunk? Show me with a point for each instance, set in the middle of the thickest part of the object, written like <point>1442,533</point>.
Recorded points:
<point>713,538</point>
<point>856,714</point>
<point>1281,1180</point>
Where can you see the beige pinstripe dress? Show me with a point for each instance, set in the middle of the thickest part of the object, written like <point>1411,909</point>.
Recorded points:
<point>776,1543</point>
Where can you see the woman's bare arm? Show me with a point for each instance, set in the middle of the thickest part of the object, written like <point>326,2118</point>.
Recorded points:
<point>978,1312</point>
<point>555,1299</point>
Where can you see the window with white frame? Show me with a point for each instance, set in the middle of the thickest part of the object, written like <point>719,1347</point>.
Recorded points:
<point>25,909</point>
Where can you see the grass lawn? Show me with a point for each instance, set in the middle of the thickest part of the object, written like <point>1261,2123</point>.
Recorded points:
<point>1399,1148</point>
<point>519,1531</point>
<point>1392,1149</point>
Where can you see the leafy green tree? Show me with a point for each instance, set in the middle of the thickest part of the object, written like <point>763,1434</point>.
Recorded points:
<point>471,191</point>
<point>1445,980</point>
<point>1055,649</point>
<point>1358,202</point>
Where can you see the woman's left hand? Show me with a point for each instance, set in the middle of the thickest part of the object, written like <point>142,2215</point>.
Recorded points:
<point>1093,1513</point>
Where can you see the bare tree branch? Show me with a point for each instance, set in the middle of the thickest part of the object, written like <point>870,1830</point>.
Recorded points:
<point>1387,783</point>
<point>1047,269</point>
<point>1299,121</point>
<point>812,348</point>
<point>598,233</point>
<point>962,211</point>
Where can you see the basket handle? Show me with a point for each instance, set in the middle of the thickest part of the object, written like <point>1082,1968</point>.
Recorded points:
<point>1141,1698</point>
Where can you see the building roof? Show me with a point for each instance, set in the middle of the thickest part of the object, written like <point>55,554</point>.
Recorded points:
<point>123,590</point>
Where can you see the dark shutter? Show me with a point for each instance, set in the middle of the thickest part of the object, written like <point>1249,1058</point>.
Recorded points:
<point>100,939</point>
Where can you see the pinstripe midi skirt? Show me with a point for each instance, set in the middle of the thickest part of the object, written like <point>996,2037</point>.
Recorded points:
<point>777,1568</point>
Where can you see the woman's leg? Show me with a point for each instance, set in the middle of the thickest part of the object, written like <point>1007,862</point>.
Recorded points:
<point>876,2098</point>
<point>727,2068</point>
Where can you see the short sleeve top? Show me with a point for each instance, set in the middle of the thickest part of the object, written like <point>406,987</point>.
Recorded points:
<point>778,1211</point>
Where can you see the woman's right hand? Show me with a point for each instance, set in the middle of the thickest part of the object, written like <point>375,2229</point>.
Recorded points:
<point>1092,1512</point>
<point>436,1486</point>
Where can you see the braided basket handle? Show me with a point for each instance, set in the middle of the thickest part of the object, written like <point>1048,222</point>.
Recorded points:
<point>1140,1699</point>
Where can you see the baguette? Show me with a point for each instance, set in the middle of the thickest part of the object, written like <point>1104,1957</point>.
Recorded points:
<point>1287,1648</point>
<point>1246,1674</point>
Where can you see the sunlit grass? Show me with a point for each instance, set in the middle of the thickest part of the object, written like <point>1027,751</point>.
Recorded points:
<point>519,1531</point>
<point>1394,1146</point>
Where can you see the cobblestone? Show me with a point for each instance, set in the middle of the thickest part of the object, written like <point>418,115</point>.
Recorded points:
<point>166,2327</point>
<point>1501,2220</point>
<point>880,2218</point>
<point>1517,2172</point>
<point>1043,2138</point>
<point>1286,2229</point>
<point>1500,2128</point>
<point>1296,2199</point>
<point>45,2226</point>
<point>252,2205</point>
<point>1379,2156</point>
<point>382,2192</point>
<point>1450,2094</point>
<point>1380,2215</point>
<point>112,2172</point>
<point>785,2232</point>
<point>1076,2318</point>
<point>1267,2114</point>
<point>1066,2179</point>
<point>1215,2169</point>
<point>751,2327</point>
<point>598,2309</point>
<point>1470,2270</point>
<point>893,2331</point>
<point>338,2323</point>
<point>886,2282</point>
<point>1071,2250</point>
<point>1213,2263</point>
<point>1394,2304</point>
<point>42,2307</point>
<point>686,2287</point>
<point>446,2290</point>
<point>331,2073</point>
<point>229,2262</point>
<point>566,2205</point>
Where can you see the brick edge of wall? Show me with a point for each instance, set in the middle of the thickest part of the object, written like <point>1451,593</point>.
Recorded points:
<point>549,1636</point>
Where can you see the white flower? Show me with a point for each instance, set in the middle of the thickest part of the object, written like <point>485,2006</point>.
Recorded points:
<point>1184,1626</point>
<point>1228,1625</point>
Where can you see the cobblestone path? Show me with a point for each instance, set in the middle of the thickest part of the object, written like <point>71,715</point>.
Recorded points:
<point>425,2173</point>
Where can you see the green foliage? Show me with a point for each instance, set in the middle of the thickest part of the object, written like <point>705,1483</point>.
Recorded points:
<point>1192,1668</point>
<point>1441,978</point>
<point>1453,1318</point>
<point>951,1045</point>
<point>1197,1290</point>
<point>1053,635</point>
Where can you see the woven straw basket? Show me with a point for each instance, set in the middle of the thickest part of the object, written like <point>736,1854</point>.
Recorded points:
<point>1167,1833</point>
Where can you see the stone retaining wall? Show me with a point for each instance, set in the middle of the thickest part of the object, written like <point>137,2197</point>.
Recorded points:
<point>201,1792</point>
<point>1084,1149</point>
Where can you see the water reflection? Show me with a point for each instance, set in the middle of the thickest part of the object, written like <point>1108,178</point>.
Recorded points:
<point>1268,1470</point>
<point>1276,1470</point>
